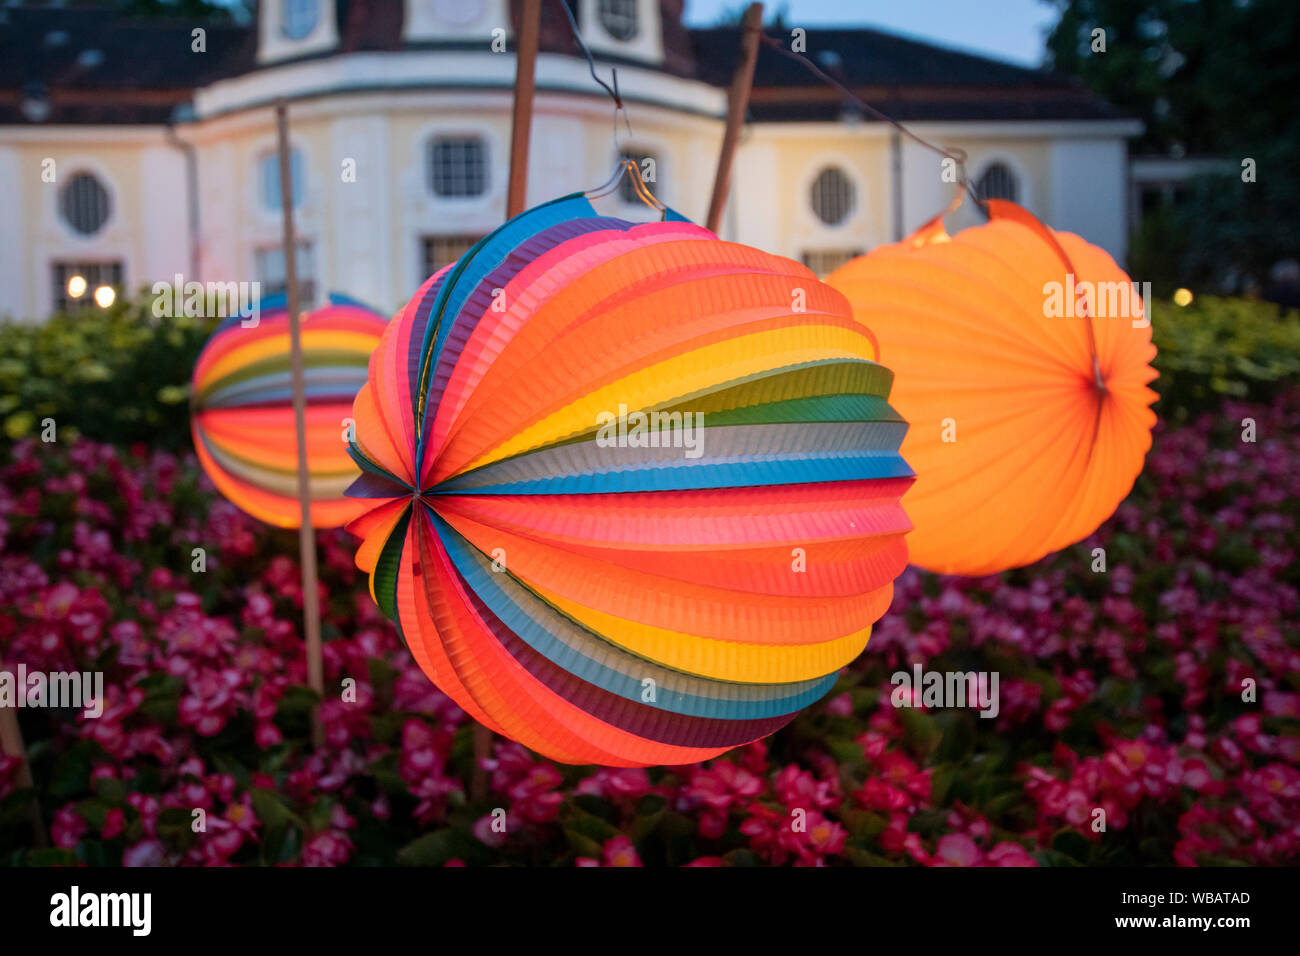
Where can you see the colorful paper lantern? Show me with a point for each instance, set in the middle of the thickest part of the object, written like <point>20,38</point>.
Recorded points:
<point>610,589</point>
<point>1022,358</point>
<point>242,414</point>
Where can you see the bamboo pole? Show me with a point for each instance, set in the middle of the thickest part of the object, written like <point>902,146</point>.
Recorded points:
<point>306,533</point>
<point>737,103</point>
<point>11,743</point>
<point>520,134</point>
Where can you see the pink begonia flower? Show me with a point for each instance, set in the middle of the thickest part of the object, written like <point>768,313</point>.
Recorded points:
<point>488,830</point>
<point>144,853</point>
<point>68,827</point>
<point>957,849</point>
<point>1009,854</point>
<point>619,851</point>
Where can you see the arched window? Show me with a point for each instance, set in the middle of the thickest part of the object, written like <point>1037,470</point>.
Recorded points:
<point>84,204</point>
<point>457,166</point>
<point>619,18</point>
<point>298,17</point>
<point>832,196</point>
<point>998,182</point>
<point>270,176</point>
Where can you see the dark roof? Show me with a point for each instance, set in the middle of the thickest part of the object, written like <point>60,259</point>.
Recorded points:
<point>907,79</point>
<point>95,67</point>
<point>92,66</point>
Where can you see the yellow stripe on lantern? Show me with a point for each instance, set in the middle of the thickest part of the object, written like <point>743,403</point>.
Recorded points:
<point>277,346</point>
<point>706,657</point>
<point>686,374</point>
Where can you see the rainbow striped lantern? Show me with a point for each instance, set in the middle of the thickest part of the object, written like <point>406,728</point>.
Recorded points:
<point>242,409</point>
<point>635,490</point>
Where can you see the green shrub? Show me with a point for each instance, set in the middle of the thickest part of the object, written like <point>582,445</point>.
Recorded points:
<point>115,375</point>
<point>121,375</point>
<point>1222,348</point>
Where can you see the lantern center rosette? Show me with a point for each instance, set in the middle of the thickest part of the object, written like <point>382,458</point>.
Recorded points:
<point>634,490</point>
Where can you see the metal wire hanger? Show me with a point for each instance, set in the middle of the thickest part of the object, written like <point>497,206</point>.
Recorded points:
<point>956,154</point>
<point>625,166</point>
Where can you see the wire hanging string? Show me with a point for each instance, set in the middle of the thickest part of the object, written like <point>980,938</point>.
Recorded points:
<point>591,65</point>
<point>956,154</point>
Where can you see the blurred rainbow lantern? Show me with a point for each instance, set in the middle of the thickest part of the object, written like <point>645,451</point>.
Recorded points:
<point>600,584</point>
<point>242,413</point>
<point>1022,358</point>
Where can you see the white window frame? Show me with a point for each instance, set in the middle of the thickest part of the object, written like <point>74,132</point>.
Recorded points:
<point>646,45</point>
<point>854,197</point>
<point>286,17</point>
<point>87,301</point>
<point>67,169</point>
<point>428,146</point>
<point>637,20</point>
<point>108,202</point>
<point>421,212</point>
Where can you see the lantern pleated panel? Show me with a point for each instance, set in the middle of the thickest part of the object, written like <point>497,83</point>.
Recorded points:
<point>1022,358</point>
<point>242,409</point>
<point>608,593</point>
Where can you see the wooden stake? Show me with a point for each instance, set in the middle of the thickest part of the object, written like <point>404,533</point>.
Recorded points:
<point>521,121</point>
<point>522,115</point>
<point>11,743</point>
<point>306,533</point>
<point>737,103</point>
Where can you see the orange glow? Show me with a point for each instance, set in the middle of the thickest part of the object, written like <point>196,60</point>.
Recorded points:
<point>1022,445</point>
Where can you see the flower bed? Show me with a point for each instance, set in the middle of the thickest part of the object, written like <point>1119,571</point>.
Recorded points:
<point>1120,691</point>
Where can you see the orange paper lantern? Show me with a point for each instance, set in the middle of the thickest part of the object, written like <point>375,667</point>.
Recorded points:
<point>1022,359</point>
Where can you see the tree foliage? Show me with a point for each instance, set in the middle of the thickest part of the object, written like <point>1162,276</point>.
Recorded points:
<point>1208,77</point>
<point>1211,76</point>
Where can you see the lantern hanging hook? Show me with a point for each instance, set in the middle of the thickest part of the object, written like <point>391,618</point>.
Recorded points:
<point>628,167</point>
<point>612,90</point>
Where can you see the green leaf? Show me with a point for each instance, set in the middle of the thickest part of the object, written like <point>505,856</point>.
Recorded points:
<point>860,857</point>
<point>431,849</point>
<point>111,791</point>
<point>584,845</point>
<point>270,809</point>
<point>941,781</point>
<point>920,731</point>
<point>1073,844</point>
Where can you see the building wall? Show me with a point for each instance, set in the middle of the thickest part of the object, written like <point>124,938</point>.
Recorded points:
<point>365,234</point>
<point>146,225</point>
<point>1071,175</point>
<point>772,196</point>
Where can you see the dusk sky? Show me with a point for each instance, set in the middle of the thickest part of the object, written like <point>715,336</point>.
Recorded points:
<point>1010,30</point>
